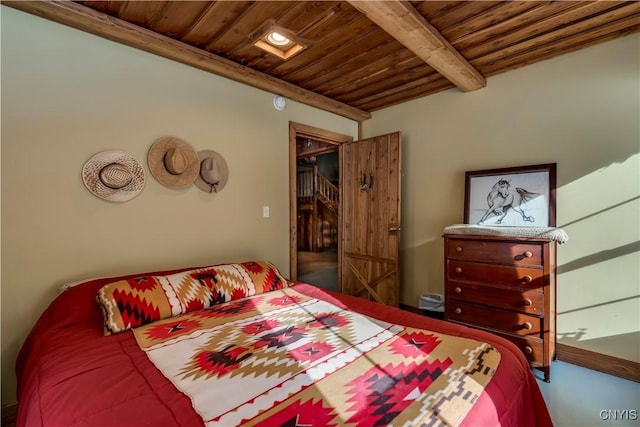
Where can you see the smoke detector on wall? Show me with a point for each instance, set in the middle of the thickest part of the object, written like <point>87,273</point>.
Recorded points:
<point>279,102</point>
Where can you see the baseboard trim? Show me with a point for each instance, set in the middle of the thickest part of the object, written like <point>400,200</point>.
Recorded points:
<point>604,363</point>
<point>9,413</point>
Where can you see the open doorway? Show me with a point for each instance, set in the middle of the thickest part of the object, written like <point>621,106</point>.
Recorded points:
<point>317,183</point>
<point>314,160</point>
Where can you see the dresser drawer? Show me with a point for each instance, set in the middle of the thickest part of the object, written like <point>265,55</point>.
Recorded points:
<point>495,251</point>
<point>531,302</point>
<point>533,348</point>
<point>510,322</point>
<point>522,277</point>
<point>504,285</point>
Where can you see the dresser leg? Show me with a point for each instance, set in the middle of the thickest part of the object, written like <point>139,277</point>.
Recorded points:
<point>547,374</point>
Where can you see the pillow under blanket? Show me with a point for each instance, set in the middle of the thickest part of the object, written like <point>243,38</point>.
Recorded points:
<point>146,298</point>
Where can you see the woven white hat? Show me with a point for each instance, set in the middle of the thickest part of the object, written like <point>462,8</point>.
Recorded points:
<point>173,162</point>
<point>113,175</point>
<point>214,172</point>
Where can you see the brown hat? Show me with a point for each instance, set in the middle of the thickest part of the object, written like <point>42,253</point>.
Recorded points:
<point>173,162</point>
<point>214,173</point>
<point>113,175</point>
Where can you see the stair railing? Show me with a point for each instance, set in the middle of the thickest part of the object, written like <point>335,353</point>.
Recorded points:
<point>305,187</point>
<point>314,189</point>
<point>327,191</point>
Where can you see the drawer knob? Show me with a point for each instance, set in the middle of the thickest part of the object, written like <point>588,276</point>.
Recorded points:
<point>458,270</point>
<point>527,302</point>
<point>528,254</point>
<point>457,290</point>
<point>527,279</point>
<point>458,311</point>
<point>458,248</point>
<point>527,325</point>
<point>528,349</point>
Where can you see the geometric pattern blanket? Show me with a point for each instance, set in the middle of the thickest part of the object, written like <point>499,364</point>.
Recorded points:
<point>284,358</point>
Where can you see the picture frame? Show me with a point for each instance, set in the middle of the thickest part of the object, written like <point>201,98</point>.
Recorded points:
<point>523,196</point>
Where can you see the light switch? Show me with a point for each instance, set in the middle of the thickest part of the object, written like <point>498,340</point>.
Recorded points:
<point>265,212</point>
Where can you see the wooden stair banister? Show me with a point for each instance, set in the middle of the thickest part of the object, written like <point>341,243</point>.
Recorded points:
<point>311,183</point>
<point>328,192</point>
<point>317,200</point>
<point>305,187</point>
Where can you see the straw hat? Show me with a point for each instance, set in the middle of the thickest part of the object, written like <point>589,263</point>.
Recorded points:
<point>214,173</point>
<point>113,175</point>
<point>173,162</point>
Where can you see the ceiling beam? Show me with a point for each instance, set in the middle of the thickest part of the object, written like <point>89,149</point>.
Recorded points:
<point>83,18</point>
<point>405,24</point>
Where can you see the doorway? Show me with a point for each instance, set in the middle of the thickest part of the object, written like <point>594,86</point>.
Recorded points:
<point>317,184</point>
<point>368,209</point>
<point>315,215</point>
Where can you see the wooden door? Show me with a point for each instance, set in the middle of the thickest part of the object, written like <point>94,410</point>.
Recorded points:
<point>370,207</point>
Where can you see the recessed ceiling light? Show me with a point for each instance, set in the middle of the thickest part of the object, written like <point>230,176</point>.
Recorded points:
<point>277,39</point>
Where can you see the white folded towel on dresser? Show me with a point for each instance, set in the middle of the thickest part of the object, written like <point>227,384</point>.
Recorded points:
<point>551,233</point>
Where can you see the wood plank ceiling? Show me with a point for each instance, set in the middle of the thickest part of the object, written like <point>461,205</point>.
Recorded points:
<point>361,56</point>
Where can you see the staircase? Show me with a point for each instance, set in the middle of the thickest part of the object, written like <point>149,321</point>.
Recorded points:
<point>317,211</point>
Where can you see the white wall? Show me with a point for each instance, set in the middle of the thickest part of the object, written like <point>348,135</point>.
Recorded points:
<point>67,95</point>
<point>581,111</point>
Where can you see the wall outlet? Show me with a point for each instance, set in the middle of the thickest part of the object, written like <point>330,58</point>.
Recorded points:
<point>265,212</point>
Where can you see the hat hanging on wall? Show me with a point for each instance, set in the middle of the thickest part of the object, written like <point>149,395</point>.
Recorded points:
<point>113,175</point>
<point>214,172</point>
<point>173,162</point>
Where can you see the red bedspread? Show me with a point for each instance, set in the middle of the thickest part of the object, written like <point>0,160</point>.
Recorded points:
<point>70,374</point>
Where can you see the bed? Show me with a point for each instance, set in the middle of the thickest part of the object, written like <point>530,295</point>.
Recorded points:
<point>238,344</point>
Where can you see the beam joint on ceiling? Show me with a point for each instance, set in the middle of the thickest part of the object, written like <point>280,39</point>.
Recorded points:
<point>86,19</point>
<point>401,21</point>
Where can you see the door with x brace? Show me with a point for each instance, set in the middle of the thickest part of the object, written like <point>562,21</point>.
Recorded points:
<point>370,207</point>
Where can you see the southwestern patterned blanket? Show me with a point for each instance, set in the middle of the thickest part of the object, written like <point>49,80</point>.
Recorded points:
<point>285,358</point>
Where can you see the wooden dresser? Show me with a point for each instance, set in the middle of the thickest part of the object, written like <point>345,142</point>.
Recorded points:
<point>506,286</point>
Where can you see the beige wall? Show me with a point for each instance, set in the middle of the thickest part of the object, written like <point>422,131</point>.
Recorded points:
<point>67,95</point>
<point>581,111</point>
